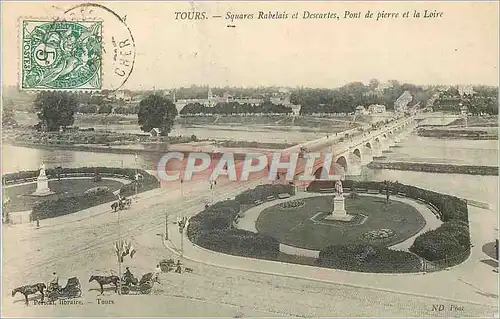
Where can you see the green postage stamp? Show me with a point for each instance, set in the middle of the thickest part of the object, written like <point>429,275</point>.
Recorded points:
<point>61,55</point>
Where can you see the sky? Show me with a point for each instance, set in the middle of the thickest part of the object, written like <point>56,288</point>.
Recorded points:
<point>461,47</point>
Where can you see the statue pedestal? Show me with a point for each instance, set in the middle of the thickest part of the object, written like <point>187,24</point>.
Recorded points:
<point>339,212</point>
<point>42,187</point>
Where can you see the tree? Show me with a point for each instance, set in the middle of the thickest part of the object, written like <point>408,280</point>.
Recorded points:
<point>55,109</point>
<point>105,109</point>
<point>157,111</point>
<point>87,109</point>
<point>373,84</point>
<point>8,116</point>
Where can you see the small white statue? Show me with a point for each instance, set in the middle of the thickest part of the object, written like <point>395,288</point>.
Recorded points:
<point>338,188</point>
<point>42,170</point>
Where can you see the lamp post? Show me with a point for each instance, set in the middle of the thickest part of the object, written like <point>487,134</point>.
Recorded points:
<point>166,225</point>
<point>212,185</point>
<point>119,254</point>
<point>182,225</point>
<point>388,184</point>
<point>136,158</point>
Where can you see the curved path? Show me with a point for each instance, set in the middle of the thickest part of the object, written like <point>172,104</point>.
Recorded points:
<point>248,221</point>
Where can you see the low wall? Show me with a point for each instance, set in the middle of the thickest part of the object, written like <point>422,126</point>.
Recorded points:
<point>478,204</point>
<point>290,250</point>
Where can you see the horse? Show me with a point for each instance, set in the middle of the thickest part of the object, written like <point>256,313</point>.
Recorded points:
<point>106,280</point>
<point>30,290</point>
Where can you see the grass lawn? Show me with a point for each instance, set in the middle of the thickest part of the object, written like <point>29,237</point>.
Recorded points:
<point>294,227</point>
<point>20,199</point>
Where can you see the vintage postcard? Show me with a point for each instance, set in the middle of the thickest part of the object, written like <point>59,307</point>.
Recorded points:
<point>250,159</point>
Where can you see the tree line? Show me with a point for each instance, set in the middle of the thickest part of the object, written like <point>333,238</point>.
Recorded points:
<point>235,108</point>
<point>346,98</point>
<point>484,100</point>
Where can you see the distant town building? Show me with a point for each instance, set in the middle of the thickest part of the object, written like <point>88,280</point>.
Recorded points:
<point>376,108</point>
<point>402,101</point>
<point>465,90</point>
<point>295,109</point>
<point>282,97</point>
<point>382,86</point>
<point>463,109</point>
<point>361,110</point>
<point>154,132</point>
<point>120,95</point>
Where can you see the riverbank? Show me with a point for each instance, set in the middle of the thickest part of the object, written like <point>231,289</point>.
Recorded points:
<point>186,149</point>
<point>477,133</point>
<point>122,142</point>
<point>437,168</point>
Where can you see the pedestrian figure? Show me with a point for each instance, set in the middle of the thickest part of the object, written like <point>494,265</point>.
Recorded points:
<point>157,272</point>
<point>179,268</point>
<point>37,222</point>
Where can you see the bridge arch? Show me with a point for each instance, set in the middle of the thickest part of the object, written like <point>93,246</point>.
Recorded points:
<point>335,169</point>
<point>357,152</point>
<point>342,161</point>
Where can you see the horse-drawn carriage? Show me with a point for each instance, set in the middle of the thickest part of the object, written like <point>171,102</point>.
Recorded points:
<point>167,265</point>
<point>143,286</point>
<point>121,204</point>
<point>71,290</point>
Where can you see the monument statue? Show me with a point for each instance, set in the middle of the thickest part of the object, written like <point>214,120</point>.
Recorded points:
<point>338,188</point>
<point>42,170</point>
<point>42,183</point>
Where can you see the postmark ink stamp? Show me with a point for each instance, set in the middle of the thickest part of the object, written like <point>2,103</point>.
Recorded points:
<point>61,55</point>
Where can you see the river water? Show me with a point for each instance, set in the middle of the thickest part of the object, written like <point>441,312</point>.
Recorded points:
<point>414,149</point>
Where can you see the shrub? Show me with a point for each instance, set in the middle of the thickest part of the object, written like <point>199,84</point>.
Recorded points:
<point>97,190</point>
<point>63,206</point>
<point>367,258</point>
<point>241,243</point>
<point>437,245</point>
<point>219,216</point>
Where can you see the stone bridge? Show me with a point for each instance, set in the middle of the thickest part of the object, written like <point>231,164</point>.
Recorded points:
<point>351,149</point>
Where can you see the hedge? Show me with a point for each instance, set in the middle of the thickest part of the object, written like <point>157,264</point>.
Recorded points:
<point>213,229</point>
<point>67,205</point>
<point>219,216</point>
<point>261,192</point>
<point>368,258</point>
<point>241,243</point>
<point>148,181</point>
<point>448,241</point>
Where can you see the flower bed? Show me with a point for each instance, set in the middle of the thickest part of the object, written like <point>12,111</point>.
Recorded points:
<point>378,234</point>
<point>296,203</point>
<point>368,258</point>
